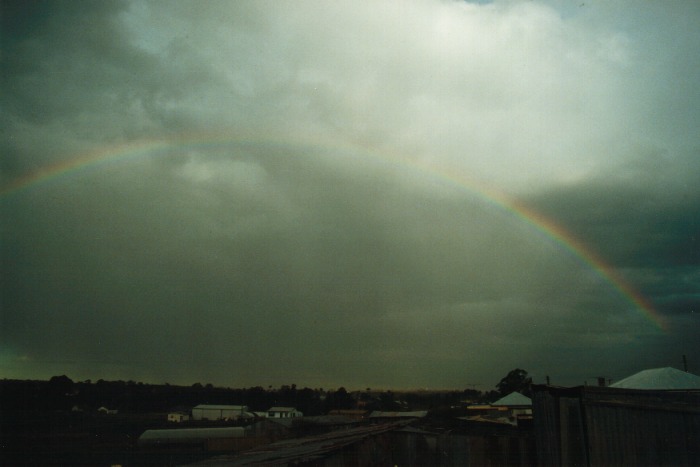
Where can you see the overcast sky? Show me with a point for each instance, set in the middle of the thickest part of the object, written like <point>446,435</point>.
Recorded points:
<point>323,193</point>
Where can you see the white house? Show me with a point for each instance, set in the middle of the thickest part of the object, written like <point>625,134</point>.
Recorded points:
<point>515,403</point>
<point>283,412</point>
<point>218,412</point>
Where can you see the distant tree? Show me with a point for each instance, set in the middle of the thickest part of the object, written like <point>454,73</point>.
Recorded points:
<point>515,380</point>
<point>387,401</point>
<point>59,388</point>
<point>340,399</point>
<point>61,380</point>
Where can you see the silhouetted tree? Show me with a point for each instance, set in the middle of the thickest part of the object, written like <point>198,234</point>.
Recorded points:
<point>387,401</point>
<point>515,380</point>
<point>340,399</point>
<point>59,388</point>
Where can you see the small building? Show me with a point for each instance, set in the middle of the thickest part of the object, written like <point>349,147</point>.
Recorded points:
<point>178,417</point>
<point>107,411</point>
<point>218,412</point>
<point>283,412</point>
<point>516,404</point>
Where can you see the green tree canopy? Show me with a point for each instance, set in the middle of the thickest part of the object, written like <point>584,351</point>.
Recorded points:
<point>515,380</point>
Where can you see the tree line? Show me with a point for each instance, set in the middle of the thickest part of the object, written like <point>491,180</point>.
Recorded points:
<point>62,393</point>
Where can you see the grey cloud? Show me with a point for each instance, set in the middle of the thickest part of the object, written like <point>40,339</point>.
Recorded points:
<point>327,241</point>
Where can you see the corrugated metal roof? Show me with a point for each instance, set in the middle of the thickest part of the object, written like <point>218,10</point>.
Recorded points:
<point>221,407</point>
<point>281,409</point>
<point>660,378</point>
<point>183,434</point>
<point>498,420</point>
<point>514,399</point>
<point>302,450</point>
<point>415,414</point>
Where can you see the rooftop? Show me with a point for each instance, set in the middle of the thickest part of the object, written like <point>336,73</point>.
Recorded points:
<point>221,407</point>
<point>281,409</point>
<point>660,378</point>
<point>514,399</point>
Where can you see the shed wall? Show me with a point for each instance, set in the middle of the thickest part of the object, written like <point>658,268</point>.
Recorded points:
<point>608,426</point>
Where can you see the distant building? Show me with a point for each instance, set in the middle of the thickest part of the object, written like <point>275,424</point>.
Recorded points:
<point>283,412</point>
<point>178,417</point>
<point>515,403</point>
<point>105,410</point>
<point>219,412</point>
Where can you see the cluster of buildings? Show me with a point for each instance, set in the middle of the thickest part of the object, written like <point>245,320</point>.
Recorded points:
<point>230,413</point>
<point>650,418</point>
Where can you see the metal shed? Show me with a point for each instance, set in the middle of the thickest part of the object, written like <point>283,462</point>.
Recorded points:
<point>189,435</point>
<point>218,412</point>
<point>609,426</point>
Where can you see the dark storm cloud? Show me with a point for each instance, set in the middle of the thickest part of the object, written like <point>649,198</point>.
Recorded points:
<point>289,255</point>
<point>645,221</point>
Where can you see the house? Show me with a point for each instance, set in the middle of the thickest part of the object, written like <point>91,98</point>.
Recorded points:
<point>283,412</point>
<point>178,417</point>
<point>515,403</point>
<point>105,410</point>
<point>219,412</point>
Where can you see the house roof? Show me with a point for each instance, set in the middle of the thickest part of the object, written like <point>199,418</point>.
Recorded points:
<point>514,399</point>
<point>221,407</point>
<point>498,420</point>
<point>282,409</point>
<point>660,378</point>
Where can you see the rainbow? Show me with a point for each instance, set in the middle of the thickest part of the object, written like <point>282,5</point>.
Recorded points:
<point>101,156</point>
